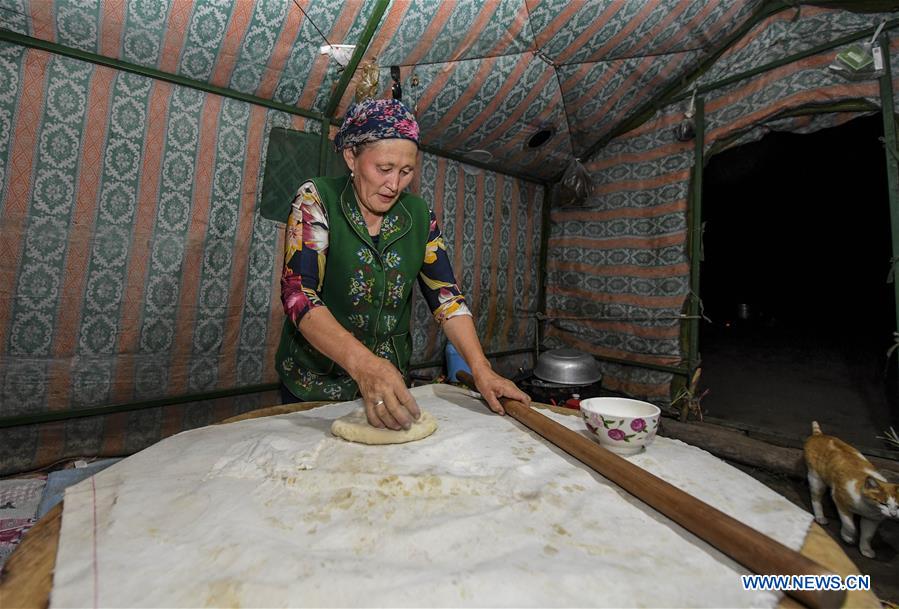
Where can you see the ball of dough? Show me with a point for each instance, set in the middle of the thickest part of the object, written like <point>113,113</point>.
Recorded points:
<point>354,427</point>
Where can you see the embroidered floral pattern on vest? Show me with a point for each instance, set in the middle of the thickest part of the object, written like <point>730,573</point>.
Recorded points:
<point>365,255</point>
<point>392,260</point>
<point>358,320</point>
<point>361,287</point>
<point>390,226</point>
<point>384,349</point>
<point>396,288</point>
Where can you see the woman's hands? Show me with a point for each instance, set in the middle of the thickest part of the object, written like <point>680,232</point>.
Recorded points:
<point>461,332</point>
<point>493,386</point>
<point>388,403</point>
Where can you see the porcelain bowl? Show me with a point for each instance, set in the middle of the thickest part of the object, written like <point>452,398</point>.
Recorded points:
<point>622,425</point>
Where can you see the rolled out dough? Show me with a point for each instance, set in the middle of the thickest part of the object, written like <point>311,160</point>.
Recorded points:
<point>354,427</point>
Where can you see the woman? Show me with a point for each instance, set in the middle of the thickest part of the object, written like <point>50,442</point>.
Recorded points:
<point>354,245</point>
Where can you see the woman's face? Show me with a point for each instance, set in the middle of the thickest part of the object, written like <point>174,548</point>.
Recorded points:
<point>382,170</point>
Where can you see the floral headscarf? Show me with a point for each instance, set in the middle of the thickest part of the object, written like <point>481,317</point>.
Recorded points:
<point>376,119</point>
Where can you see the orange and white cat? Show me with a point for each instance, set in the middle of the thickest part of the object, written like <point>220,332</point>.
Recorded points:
<point>856,487</point>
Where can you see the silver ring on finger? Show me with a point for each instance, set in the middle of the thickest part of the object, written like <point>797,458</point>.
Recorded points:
<point>379,403</point>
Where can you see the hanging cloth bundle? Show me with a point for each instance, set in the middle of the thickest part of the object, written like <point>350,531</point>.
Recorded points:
<point>367,88</point>
<point>685,130</point>
<point>576,185</point>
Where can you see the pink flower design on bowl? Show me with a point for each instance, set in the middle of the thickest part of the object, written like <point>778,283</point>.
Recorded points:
<point>621,425</point>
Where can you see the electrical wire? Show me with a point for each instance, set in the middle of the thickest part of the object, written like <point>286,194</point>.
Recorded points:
<point>320,33</point>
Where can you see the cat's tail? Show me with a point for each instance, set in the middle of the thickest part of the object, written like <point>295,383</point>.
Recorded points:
<point>816,429</point>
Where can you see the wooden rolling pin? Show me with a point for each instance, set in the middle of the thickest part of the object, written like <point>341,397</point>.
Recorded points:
<point>754,550</point>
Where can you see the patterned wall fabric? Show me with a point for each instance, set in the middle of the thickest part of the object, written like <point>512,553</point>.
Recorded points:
<point>437,31</point>
<point>603,47</point>
<point>617,268</point>
<point>491,224</point>
<point>268,48</point>
<point>494,90</point>
<point>494,104</point>
<point>594,30</point>
<point>591,90</point>
<point>490,74</point>
<point>134,263</point>
<point>807,82</point>
<point>783,34</point>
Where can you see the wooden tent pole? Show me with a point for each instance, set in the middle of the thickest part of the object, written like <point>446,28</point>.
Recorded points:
<point>889,135</point>
<point>696,236</point>
<point>545,222</point>
<point>374,20</point>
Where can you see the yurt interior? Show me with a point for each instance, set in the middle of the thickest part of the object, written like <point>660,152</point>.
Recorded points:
<point>659,237</point>
<point>796,285</point>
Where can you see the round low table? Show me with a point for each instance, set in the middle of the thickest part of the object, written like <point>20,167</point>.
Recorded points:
<point>27,577</point>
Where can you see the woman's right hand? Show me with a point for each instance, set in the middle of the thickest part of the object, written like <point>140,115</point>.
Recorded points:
<point>388,402</point>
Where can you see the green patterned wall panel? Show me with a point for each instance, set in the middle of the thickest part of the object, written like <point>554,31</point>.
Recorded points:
<point>107,265</point>
<point>13,16</point>
<point>178,167</point>
<point>217,258</point>
<point>11,64</point>
<point>77,24</point>
<point>38,268</point>
<point>292,158</point>
<point>127,238</point>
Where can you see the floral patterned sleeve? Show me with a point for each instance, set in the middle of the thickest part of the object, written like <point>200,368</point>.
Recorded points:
<point>305,253</point>
<point>436,280</point>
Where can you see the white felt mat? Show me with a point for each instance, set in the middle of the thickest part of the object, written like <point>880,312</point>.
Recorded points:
<point>276,512</point>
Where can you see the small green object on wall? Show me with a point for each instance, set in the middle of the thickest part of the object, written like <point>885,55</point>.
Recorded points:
<point>292,158</point>
<point>856,58</point>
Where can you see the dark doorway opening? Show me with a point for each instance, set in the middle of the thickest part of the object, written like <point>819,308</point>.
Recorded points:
<point>797,250</point>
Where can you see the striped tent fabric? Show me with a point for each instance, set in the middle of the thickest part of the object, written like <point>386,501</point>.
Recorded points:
<point>491,225</point>
<point>494,104</point>
<point>134,264</point>
<point>618,268</point>
<point>602,48</point>
<point>491,74</point>
<point>470,71</point>
<point>788,32</point>
<point>267,48</point>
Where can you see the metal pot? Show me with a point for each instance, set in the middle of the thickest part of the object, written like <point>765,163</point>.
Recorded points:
<point>567,367</point>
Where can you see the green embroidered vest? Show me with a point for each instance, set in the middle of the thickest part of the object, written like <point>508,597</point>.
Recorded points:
<point>366,287</point>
